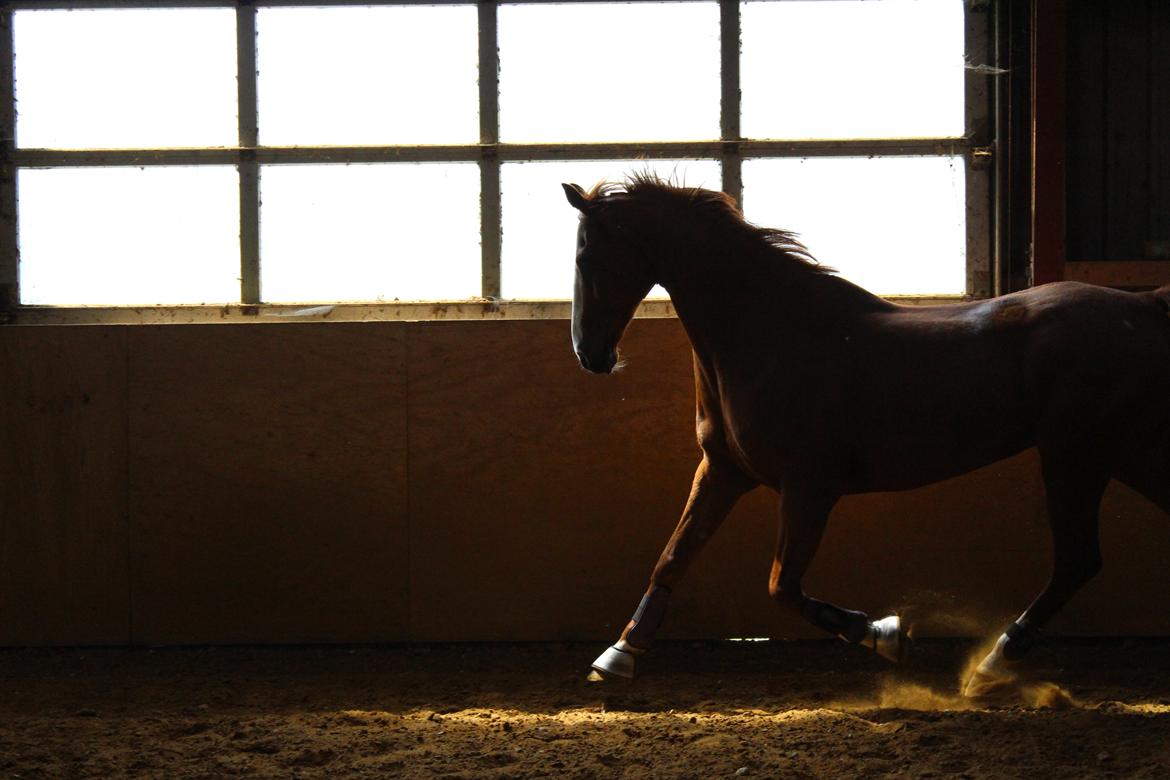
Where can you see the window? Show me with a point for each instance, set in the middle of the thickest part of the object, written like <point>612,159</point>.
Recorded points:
<point>286,153</point>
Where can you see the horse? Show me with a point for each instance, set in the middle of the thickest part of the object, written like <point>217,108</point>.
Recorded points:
<point>812,386</point>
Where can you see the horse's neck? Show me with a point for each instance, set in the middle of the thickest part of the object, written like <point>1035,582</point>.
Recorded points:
<point>773,302</point>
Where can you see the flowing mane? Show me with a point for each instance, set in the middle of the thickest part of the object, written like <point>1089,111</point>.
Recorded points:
<point>661,196</point>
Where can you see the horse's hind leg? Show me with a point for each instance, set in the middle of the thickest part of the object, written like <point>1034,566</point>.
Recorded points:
<point>804,513</point>
<point>1074,489</point>
<point>713,494</point>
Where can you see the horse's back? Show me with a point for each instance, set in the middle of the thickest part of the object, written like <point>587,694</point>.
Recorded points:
<point>1101,362</point>
<point>945,389</point>
<point>1100,325</point>
<point>1074,321</point>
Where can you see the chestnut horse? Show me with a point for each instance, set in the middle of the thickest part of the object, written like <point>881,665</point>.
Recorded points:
<point>818,389</point>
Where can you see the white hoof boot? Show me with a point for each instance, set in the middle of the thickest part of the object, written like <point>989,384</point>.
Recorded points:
<point>993,675</point>
<point>885,638</point>
<point>618,660</point>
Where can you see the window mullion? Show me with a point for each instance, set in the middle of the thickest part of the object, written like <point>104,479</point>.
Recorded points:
<point>978,92</point>
<point>729,130</point>
<point>490,227</point>
<point>9,251</point>
<point>249,169</point>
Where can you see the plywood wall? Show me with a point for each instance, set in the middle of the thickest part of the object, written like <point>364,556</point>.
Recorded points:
<point>379,482</point>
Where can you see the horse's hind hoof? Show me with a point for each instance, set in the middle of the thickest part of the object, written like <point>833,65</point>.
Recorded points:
<point>989,687</point>
<point>994,676</point>
<point>618,660</point>
<point>888,640</point>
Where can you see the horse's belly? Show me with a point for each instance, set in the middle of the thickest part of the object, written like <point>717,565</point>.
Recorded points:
<point>911,464</point>
<point>875,452</point>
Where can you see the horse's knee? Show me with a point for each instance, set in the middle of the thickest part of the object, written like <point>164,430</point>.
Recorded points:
<point>667,570</point>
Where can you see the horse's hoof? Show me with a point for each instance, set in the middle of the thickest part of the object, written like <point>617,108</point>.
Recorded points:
<point>888,640</point>
<point>982,685</point>
<point>994,676</point>
<point>617,660</point>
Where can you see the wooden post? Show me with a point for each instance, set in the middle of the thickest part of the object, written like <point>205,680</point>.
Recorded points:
<point>9,252</point>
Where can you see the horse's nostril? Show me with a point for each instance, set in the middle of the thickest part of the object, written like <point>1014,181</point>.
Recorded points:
<point>583,360</point>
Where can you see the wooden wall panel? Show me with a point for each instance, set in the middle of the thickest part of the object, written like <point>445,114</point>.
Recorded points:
<point>540,493</point>
<point>268,483</point>
<point>63,557</point>
<point>453,481</point>
<point>1121,601</point>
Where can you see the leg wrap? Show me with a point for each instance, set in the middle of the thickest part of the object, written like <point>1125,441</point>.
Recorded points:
<point>647,617</point>
<point>1021,637</point>
<point>847,624</point>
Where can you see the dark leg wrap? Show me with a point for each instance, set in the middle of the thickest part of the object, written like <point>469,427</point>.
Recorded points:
<point>1021,637</point>
<point>648,617</point>
<point>847,624</point>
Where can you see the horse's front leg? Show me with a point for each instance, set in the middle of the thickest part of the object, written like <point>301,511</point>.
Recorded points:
<point>804,512</point>
<point>713,494</point>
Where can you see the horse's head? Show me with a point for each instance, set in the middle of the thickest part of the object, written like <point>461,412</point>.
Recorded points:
<point>612,278</point>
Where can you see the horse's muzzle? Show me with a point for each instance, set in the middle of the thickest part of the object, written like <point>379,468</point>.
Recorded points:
<point>598,363</point>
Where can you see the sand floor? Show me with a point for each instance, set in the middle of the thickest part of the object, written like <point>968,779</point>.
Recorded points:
<point>775,709</point>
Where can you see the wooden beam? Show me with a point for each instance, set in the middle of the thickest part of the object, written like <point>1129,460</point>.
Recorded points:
<point>1122,274</point>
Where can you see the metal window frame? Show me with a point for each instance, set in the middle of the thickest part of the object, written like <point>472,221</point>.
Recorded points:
<point>975,147</point>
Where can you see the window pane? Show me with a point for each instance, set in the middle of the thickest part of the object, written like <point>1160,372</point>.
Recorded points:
<point>540,227</point>
<point>369,232</point>
<point>352,76</point>
<point>609,72</point>
<point>889,224</point>
<point>126,78</point>
<point>852,69</point>
<point>129,235</point>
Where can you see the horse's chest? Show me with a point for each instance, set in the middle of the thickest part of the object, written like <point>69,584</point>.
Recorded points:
<point>771,430</point>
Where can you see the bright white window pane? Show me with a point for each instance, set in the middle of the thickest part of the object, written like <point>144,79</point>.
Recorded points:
<point>389,75</point>
<point>889,224</point>
<point>129,235</point>
<point>852,69</point>
<point>609,72</point>
<point>369,232</point>
<point>126,78</point>
<point>540,227</point>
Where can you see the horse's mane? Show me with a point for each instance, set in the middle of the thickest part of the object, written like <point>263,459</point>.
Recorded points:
<point>717,208</point>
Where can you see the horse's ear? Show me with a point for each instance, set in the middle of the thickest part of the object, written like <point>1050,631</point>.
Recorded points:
<point>577,197</point>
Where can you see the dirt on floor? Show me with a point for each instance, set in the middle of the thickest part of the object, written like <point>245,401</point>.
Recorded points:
<point>702,710</point>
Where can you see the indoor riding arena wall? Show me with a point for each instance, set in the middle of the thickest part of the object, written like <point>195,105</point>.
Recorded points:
<point>453,481</point>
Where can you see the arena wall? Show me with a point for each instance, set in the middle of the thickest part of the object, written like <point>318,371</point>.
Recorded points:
<point>452,481</point>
